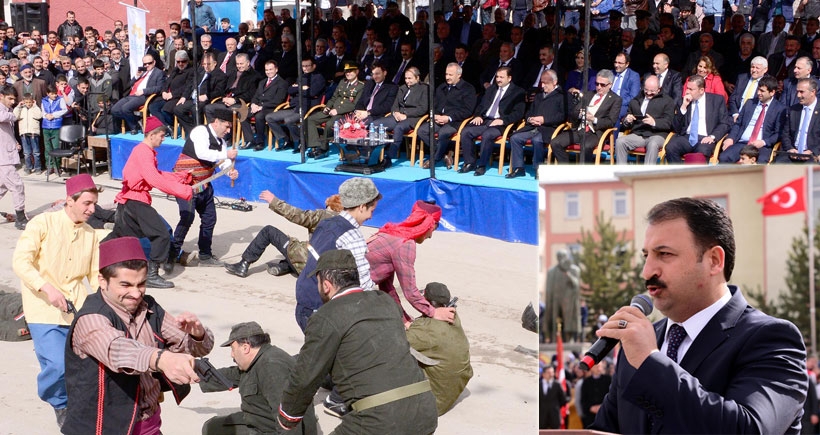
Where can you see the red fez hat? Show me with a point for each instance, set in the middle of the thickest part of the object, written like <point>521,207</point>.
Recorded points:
<point>152,123</point>
<point>121,249</point>
<point>78,183</point>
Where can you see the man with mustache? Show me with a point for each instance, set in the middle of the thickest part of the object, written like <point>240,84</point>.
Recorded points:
<point>715,364</point>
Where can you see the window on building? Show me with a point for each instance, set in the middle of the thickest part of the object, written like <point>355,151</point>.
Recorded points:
<point>619,206</point>
<point>572,205</point>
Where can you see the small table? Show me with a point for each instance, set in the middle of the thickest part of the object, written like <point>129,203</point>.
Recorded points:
<point>362,156</point>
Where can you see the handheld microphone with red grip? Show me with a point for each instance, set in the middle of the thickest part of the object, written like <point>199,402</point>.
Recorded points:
<point>604,345</point>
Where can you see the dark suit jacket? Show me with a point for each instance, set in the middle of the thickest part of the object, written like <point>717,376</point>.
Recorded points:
<point>273,95</point>
<point>177,81</point>
<point>549,405</point>
<point>772,123</point>
<point>489,72</point>
<point>789,137</point>
<point>510,107</point>
<point>789,95</point>
<point>661,108</point>
<point>607,113</point>
<point>457,103</point>
<point>717,120</point>
<point>489,55</point>
<point>231,66</point>
<point>672,84</point>
<point>394,69</point>
<point>313,95</point>
<point>553,107</point>
<point>470,73</point>
<point>246,87</point>
<point>778,61</point>
<point>737,94</point>
<point>414,105</point>
<point>383,100</point>
<point>456,26</point>
<point>288,65</point>
<point>156,83</point>
<point>745,373</point>
<point>213,87</point>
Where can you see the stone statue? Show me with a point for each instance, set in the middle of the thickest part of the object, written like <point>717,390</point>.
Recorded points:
<point>563,299</point>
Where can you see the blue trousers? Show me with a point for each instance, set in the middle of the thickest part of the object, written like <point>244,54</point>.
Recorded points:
<point>203,204</point>
<point>49,346</point>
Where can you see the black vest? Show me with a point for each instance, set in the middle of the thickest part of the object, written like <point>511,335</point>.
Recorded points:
<point>213,143</point>
<point>119,391</point>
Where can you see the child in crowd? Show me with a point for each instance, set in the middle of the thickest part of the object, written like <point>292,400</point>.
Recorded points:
<point>53,110</point>
<point>28,123</point>
<point>66,93</point>
<point>749,155</point>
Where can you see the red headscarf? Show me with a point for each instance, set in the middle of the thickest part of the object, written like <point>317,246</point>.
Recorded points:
<point>423,218</point>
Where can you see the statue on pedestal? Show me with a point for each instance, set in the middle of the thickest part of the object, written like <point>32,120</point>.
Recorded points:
<point>563,299</point>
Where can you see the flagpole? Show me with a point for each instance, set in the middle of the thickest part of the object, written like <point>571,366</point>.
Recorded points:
<point>810,223</point>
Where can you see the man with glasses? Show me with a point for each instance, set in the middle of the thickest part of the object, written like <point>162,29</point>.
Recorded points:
<point>649,118</point>
<point>149,82</point>
<point>627,83</point>
<point>313,87</point>
<point>591,116</point>
<point>211,84</point>
<point>175,84</point>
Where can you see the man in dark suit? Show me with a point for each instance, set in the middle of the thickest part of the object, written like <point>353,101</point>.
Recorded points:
<point>226,60</point>
<point>551,397</point>
<point>547,112</point>
<point>671,82</point>
<point>377,96</point>
<point>802,69</point>
<point>505,59</point>
<point>271,92</point>
<point>411,103</point>
<point>591,116</point>
<point>313,88</point>
<point>377,55</point>
<point>649,117</point>
<point>699,128</point>
<point>781,64</point>
<point>406,60</point>
<point>286,59</point>
<point>162,106</point>
<point>715,364</point>
<point>463,28</point>
<point>148,83</point>
<point>211,84</point>
<point>758,124</point>
<point>802,135</point>
<point>469,67</point>
<point>394,41</point>
<point>454,102</point>
<point>241,85</point>
<point>746,86</point>
<point>502,105</point>
<point>486,49</point>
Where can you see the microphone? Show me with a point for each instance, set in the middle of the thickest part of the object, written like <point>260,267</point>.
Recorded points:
<point>604,345</point>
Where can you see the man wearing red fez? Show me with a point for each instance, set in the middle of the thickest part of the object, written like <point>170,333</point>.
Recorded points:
<point>10,180</point>
<point>124,348</point>
<point>135,216</point>
<point>392,252</point>
<point>55,252</point>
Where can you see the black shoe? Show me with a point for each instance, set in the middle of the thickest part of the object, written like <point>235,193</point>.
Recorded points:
<point>465,168</point>
<point>279,269</point>
<point>336,409</point>
<point>388,162</point>
<point>319,154</point>
<point>259,147</point>
<point>310,153</point>
<point>517,172</point>
<point>133,132</point>
<point>20,220</point>
<point>209,261</point>
<point>479,171</point>
<point>239,269</point>
<point>245,146</point>
<point>286,145</point>
<point>296,150</point>
<point>61,416</point>
<point>153,280</point>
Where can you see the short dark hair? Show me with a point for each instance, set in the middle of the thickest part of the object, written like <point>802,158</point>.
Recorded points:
<point>111,270</point>
<point>709,223</point>
<point>340,278</point>
<point>769,82</point>
<point>255,340</point>
<point>750,151</point>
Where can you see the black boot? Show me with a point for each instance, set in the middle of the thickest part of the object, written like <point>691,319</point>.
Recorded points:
<point>153,280</point>
<point>279,269</point>
<point>21,220</point>
<point>239,269</point>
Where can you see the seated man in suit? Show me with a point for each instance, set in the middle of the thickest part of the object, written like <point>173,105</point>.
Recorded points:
<point>502,105</point>
<point>699,128</point>
<point>241,86</point>
<point>547,112</point>
<point>454,102</point>
<point>627,82</point>
<point>803,67</point>
<point>746,86</point>
<point>313,87</point>
<point>758,124</point>
<point>211,84</point>
<point>593,114</point>
<point>714,364</point>
<point>271,92</point>
<point>649,118</point>
<point>405,61</point>
<point>411,103</point>
<point>671,82</point>
<point>377,96</point>
<point>344,100</point>
<point>179,75</point>
<point>150,82</point>
<point>801,138</point>
<point>505,59</point>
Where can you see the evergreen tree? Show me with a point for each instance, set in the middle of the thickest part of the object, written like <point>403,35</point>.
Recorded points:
<point>608,273</point>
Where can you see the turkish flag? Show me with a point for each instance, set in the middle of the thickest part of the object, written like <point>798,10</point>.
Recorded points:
<point>786,199</point>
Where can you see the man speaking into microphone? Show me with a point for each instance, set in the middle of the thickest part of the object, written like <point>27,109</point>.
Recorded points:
<point>715,364</point>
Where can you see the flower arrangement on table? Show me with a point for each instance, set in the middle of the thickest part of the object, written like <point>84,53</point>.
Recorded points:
<point>352,128</point>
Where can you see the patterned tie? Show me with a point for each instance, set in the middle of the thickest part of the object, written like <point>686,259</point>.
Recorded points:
<point>694,124</point>
<point>759,123</point>
<point>674,338</point>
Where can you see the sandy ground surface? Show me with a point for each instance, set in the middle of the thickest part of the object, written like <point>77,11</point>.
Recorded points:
<point>493,280</point>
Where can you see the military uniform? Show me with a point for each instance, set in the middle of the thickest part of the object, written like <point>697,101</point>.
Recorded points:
<point>344,100</point>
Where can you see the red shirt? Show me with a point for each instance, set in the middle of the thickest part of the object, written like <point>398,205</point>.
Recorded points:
<point>140,175</point>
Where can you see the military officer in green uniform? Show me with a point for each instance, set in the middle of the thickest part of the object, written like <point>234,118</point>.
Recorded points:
<point>260,371</point>
<point>342,102</point>
<point>358,337</point>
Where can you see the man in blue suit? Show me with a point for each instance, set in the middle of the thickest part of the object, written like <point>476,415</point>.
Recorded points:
<point>750,129</point>
<point>746,86</point>
<point>715,364</point>
<point>627,82</point>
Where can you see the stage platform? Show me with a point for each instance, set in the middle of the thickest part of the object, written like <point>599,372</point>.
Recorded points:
<point>490,205</point>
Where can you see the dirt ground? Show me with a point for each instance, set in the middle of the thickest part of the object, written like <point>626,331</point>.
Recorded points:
<point>493,280</point>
